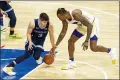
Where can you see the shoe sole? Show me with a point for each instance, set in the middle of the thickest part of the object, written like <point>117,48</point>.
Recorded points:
<point>7,72</point>
<point>114,61</point>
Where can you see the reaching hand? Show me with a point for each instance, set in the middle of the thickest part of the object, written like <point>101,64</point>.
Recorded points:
<point>85,45</point>
<point>30,46</point>
<point>52,51</point>
<point>4,13</point>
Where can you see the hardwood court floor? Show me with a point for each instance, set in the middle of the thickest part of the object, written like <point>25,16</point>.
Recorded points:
<point>89,64</point>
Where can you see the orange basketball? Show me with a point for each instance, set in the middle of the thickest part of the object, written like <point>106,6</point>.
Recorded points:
<point>48,59</point>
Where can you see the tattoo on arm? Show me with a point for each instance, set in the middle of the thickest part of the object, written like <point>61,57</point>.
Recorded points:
<point>63,32</point>
<point>85,22</point>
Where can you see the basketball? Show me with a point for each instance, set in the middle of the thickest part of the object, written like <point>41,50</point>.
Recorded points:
<point>48,59</point>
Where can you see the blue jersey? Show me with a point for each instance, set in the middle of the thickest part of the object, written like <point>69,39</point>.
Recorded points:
<point>39,34</point>
<point>5,6</point>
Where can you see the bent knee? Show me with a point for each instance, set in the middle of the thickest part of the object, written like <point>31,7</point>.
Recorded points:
<point>94,49</point>
<point>70,41</point>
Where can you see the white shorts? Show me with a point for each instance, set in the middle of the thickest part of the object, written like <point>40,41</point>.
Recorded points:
<point>95,30</point>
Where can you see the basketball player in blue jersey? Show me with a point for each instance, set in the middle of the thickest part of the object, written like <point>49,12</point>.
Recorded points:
<point>6,7</point>
<point>36,35</point>
<point>86,23</point>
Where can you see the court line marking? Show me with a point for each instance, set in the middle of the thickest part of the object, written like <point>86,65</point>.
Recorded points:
<point>9,59</point>
<point>32,71</point>
<point>96,67</point>
<point>85,8</point>
<point>78,6</point>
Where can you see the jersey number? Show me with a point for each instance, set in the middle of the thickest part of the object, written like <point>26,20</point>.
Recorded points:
<point>40,35</point>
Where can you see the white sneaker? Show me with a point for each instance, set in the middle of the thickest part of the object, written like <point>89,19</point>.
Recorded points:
<point>113,55</point>
<point>9,70</point>
<point>70,65</point>
<point>3,29</point>
<point>40,60</point>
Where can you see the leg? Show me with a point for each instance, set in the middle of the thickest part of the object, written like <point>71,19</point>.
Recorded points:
<point>71,43</point>
<point>9,68</point>
<point>8,9</point>
<point>71,48</point>
<point>12,22</point>
<point>36,55</point>
<point>97,48</point>
<point>12,25</point>
<point>23,57</point>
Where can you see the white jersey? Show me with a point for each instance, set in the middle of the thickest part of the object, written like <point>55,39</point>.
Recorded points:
<point>88,16</point>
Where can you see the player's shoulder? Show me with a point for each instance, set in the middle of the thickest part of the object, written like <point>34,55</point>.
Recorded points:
<point>51,24</point>
<point>32,23</point>
<point>76,11</point>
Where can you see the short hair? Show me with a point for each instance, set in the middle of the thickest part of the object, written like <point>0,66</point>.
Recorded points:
<point>44,17</point>
<point>61,11</point>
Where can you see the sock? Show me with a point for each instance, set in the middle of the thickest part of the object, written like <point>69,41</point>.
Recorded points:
<point>109,49</point>
<point>72,59</point>
<point>11,65</point>
<point>11,32</point>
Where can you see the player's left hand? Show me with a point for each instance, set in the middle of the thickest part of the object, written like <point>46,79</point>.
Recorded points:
<point>4,13</point>
<point>85,45</point>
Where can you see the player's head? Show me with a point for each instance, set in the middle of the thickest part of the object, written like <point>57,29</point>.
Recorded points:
<point>62,13</point>
<point>43,18</point>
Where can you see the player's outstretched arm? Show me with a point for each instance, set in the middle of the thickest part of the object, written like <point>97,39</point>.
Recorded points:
<point>61,35</point>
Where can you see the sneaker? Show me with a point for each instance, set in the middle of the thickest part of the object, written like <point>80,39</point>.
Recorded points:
<point>70,65</point>
<point>9,70</point>
<point>3,29</point>
<point>113,55</point>
<point>40,60</point>
<point>15,36</point>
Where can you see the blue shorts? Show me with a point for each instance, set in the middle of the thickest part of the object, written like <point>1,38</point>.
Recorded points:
<point>79,35</point>
<point>94,38</point>
<point>36,51</point>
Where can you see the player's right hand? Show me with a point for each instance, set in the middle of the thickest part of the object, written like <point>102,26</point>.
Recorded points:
<point>30,46</point>
<point>52,51</point>
<point>85,45</point>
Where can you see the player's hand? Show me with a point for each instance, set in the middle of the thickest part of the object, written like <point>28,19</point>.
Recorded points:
<point>4,13</point>
<point>30,46</point>
<point>85,45</point>
<point>52,51</point>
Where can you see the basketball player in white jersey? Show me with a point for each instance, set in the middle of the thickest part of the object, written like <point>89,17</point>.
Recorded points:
<point>86,23</point>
